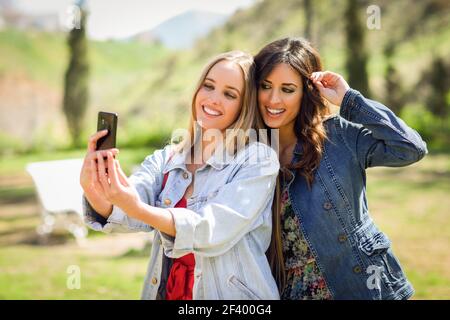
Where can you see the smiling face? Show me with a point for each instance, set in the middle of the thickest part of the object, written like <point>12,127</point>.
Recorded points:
<point>218,101</point>
<point>279,96</point>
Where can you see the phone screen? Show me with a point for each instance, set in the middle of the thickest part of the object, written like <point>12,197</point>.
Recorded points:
<point>107,120</point>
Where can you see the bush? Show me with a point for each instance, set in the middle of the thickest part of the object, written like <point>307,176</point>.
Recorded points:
<point>434,131</point>
<point>10,145</point>
<point>141,133</point>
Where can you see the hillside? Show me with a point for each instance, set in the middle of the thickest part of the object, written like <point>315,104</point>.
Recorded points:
<point>151,86</point>
<point>182,30</point>
<point>418,28</point>
<point>32,67</point>
<point>419,32</point>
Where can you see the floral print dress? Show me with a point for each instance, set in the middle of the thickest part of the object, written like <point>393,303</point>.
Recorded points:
<point>304,280</point>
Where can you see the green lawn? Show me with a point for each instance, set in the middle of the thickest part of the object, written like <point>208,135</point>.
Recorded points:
<point>15,165</point>
<point>410,204</point>
<point>40,272</point>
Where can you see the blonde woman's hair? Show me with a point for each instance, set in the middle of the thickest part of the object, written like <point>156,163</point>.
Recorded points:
<point>248,118</point>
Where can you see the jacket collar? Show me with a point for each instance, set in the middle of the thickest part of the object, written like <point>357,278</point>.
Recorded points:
<point>218,160</point>
<point>178,161</point>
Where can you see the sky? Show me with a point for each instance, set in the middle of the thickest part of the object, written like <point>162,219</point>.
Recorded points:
<point>122,18</point>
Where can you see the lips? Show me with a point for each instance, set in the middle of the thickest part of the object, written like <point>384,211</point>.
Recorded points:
<point>274,112</point>
<point>211,112</point>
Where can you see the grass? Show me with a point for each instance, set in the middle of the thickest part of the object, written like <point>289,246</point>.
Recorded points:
<point>12,165</point>
<point>29,272</point>
<point>410,204</point>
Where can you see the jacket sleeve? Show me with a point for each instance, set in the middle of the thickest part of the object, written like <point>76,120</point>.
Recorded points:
<point>376,136</point>
<point>240,206</point>
<point>148,181</point>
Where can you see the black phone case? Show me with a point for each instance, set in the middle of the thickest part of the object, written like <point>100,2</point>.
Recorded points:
<point>107,120</point>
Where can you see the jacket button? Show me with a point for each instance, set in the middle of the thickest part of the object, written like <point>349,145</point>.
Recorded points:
<point>167,202</point>
<point>357,269</point>
<point>185,175</point>
<point>327,205</point>
<point>342,238</point>
<point>154,280</point>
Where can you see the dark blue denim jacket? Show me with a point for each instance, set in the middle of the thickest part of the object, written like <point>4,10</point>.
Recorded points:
<point>353,254</point>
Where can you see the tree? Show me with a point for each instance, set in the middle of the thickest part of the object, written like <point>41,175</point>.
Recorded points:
<point>308,19</point>
<point>440,84</point>
<point>395,97</point>
<point>76,91</point>
<point>356,61</point>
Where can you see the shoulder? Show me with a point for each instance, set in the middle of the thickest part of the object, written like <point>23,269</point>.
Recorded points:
<point>342,134</point>
<point>336,125</point>
<point>258,155</point>
<point>259,151</point>
<point>160,156</point>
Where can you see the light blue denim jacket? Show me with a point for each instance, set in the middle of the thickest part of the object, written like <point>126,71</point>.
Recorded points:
<point>227,223</point>
<point>354,256</point>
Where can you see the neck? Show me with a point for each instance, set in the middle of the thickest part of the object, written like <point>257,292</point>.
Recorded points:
<point>288,139</point>
<point>207,150</point>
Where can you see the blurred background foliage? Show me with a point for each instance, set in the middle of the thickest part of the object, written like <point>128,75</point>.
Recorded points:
<point>150,86</point>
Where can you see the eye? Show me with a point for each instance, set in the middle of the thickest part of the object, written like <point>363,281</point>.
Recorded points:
<point>208,86</point>
<point>230,95</point>
<point>287,90</point>
<point>264,86</point>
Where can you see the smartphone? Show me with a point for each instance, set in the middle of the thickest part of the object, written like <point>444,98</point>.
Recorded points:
<point>107,120</point>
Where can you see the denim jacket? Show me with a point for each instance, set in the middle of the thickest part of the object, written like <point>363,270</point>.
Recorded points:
<point>354,256</point>
<point>227,223</point>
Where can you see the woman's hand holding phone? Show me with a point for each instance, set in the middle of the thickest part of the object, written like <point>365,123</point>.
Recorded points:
<point>115,187</point>
<point>89,178</point>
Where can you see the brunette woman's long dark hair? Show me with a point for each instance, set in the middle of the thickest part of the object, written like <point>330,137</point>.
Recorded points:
<point>299,54</point>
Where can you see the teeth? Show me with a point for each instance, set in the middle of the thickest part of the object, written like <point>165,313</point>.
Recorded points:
<point>275,111</point>
<point>211,112</point>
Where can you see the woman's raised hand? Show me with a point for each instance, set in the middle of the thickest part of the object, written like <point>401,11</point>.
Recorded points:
<point>114,185</point>
<point>332,86</point>
<point>89,174</point>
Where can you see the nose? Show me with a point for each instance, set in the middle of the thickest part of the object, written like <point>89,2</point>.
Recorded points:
<point>274,97</point>
<point>214,98</point>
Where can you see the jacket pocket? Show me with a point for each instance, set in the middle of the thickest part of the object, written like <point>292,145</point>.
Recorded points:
<point>374,244</point>
<point>377,247</point>
<point>241,287</point>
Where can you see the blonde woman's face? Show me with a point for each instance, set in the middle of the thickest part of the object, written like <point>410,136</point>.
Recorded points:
<point>279,96</point>
<point>218,102</point>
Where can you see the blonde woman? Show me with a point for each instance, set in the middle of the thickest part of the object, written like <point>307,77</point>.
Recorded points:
<point>209,200</point>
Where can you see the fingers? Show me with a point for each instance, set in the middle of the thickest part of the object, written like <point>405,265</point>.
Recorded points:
<point>325,77</point>
<point>112,171</point>
<point>317,78</point>
<point>319,85</point>
<point>122,176</point>
<point>104,154</point>
<point>94,177</point>
<point>102,175</point>
<point>92,143</point>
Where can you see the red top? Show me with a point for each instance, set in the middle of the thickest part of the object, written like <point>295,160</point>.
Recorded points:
<point>181,277</point>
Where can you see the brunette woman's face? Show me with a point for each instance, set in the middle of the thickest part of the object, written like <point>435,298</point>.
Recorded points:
<point>218,102</point>
<point>279,96</point>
